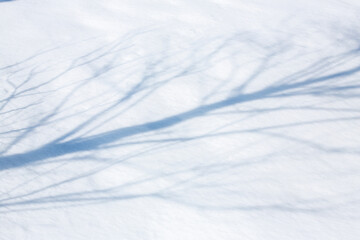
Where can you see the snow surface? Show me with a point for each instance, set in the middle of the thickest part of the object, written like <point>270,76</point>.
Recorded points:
<point>180,119</point>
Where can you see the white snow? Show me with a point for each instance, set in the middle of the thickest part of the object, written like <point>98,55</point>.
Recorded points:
<point>179,119</point>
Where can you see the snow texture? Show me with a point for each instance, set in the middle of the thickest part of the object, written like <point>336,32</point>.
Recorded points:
<point>180,119</point>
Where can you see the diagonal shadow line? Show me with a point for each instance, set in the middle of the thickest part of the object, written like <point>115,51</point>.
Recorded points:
<point>55,149</point>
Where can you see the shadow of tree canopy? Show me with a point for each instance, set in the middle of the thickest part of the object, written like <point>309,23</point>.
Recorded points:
<point>123,81</point>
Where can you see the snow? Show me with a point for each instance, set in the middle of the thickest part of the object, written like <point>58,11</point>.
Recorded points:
<point>169,119</point>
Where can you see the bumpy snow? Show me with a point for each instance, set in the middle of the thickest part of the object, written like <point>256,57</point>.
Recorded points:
<point>180,119</point>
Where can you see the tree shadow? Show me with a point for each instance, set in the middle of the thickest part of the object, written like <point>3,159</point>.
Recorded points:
<point>330,77</point>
